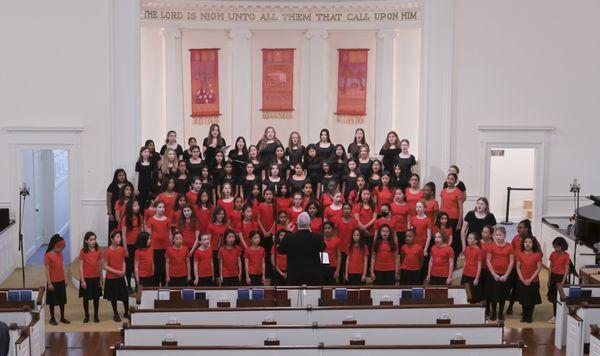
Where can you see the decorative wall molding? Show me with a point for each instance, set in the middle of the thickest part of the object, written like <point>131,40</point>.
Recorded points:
<point>43,129</point>
<point>92,201</point>
<point>491,128</point>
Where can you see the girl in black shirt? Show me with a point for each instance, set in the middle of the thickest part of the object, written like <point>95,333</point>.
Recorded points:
<point>182,181</point>
<point>171,142</point>
<point>267,144</point>
<point>349,180</point>
<point>112,195</point>
<point>375,176</point>
<point>212,143</point>
<point>229,178</point>
<point>187,154</point>
<point>406,161</point>
<point>273,181</point>
<point>297,180</point>
<point>295,151</point>
<point>216,170</point>
<point>364,162</point>
<point>312,163</point>
<point>154,156</point>
<point>459,184</point>
<point>284,165</point>
<point>239,158</point>
<point>324,147</point>
<point>194,163</point>
<point>326,177</point>
<point>208,183</point>
<point>250,179</point>
<point>390,150</point>
<point>338,162</point>
<point>143,175</point>
<point>397,178</point>
<point>169,163</point>
<point>359,141</point>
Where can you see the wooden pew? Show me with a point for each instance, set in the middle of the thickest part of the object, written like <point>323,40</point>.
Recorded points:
<point>578,324</point>
<point>255,335</point>
<point>38,298</point>
<point>594,340</point>
<point>563,301</point>
<point>406,314</point>
<point>300,296</point>
<point>323,350</point>
<point>24,317</point>
<point>19,341</point>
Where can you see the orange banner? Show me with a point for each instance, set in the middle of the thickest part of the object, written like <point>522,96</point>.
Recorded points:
<point>278,79</point>
<point>205,82</point>
<point>352,82</point>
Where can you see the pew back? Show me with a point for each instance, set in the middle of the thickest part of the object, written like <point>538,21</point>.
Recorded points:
<point>562,303</point>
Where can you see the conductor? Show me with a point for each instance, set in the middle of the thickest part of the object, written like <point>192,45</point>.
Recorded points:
<point>302,249</point>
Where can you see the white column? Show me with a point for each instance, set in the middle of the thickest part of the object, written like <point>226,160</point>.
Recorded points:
<point>173,82</point>
<point>241,83</point>
<point>436,89</point>
<point>385,106</point>
<point>317,86</point>
<point>125,124</point>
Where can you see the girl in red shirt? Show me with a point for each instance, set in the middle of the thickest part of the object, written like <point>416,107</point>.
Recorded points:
<point>529,264</point>
<point>283,221</point>
<point>203,211</point>
<point>248,225</point>
<point>385,217</point>
<point>344,226</point>
<point>177,262</point>
<point>441,263</point>
<point>230,266</point>
<point>179,203</point>
<point>266,214</point>
<point>295,210</point>
<point>331,272</point>
<point>279,263</point>
<point>385,260</point>
<point>400,212</point>
<point>431,205</point>
<point>131,225</point>
<point>442,224</point>
<point>472,267</point>
<point>356,264</point>
<point>216,232</point>
<point>383,193</point>
<point>144,261</point>
<point>55,276</point>
<point>423,227</point>
<point>125,195</point>
<point>365,215</point>
<point>316,222</point>
<point>168,196</point>
<point>452,204</point>
<point>413,193</point>
<point>486,244</point>
<point>192,194</point>
<point>283,200</point>
<point>500,262</point>
<point>159,227</point>
<point>90,283</point>
<point>188,226</point>
<point>150,209</point>
<point>203,263</point>
<point>559,270</point>
<point>235,219</point>
<point>114,264</point>
<point>354,194</point>
<point>333,212</point>
<point>227,199</point>
<point>254,259</point>
<point>411,255</point>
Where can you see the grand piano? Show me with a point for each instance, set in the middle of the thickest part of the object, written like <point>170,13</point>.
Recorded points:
<point>587,224</point>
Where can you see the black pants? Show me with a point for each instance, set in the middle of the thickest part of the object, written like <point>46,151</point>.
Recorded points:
<point>528,312</point>
<point>256,280</point>
<point>159,267</point>
<point>385,278</point>
<point>342,268</point>
<point>456,243</point>
<point>206,282</point>
<point>178,282</point>
<point>278,280</point>
<point>328,273</point>
<point>410,278</point>
<point>230,282</point>
<point>216,263</point>
<point>437,281</point>
<point>267,244</point>
<point>354,279</point>
<point>309,277</point>
<point>129,264</point>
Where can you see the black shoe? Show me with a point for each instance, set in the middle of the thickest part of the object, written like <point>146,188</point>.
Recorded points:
<point>493,316</point>
<point>529,321</point>
<point>126,315</point>
<point>96,320</point>
<point>53,321</point>
<point>523,320</point>
<point>64,321</point>
<point>86,320</point>
<point>501,317</point>
<point>509,311</point>
<point>116,318</point>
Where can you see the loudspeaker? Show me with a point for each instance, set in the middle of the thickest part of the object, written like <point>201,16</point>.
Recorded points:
<point>4,219</point>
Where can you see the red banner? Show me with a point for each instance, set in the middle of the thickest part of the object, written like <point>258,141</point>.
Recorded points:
<point>205,82</point>
<point>278,80</point>
<point>352,82</point>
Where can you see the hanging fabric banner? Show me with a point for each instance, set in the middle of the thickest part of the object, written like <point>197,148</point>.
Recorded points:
<point>205,85</point>
<point>352,85</point>
<point>278,83</point>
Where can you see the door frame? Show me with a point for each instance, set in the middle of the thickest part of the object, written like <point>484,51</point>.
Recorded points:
<point>535,137</point>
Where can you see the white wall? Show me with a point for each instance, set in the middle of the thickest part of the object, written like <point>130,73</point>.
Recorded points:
<point>519,160</point>
<point>153,108</point>
<point>61,191</point>
<point>529,63</point>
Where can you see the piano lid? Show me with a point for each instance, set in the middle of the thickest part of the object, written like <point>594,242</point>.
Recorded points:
<point>591,212</point>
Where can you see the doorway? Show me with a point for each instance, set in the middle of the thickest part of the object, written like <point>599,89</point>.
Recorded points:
<point>46,210</point>
<point>514,168</point>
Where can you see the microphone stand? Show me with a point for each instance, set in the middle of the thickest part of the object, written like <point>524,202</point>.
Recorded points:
<point>23,193</point>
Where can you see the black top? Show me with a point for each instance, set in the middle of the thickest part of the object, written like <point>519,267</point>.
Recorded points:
<point>194,169</point>
<point>247,185</point>
<point>326,180</point>
<point>274,186</point>
<point>144,176</point>
<point>186,155</point>
<point>354,149</point>
<point>350,185</point>
<point>154,158</point>
<point>389,155</point>
<point>296,185</point>
<point>238,162</point>
<point>115,189</point>
<point>209,151</point>
<point>476,224</point>
<point>461,186</point>
<point>295,155</point>
<point>338,168</point>
<point>406,165</point>
<point>326,153</point>
<point>374,183</point>
<point>178,150</point>
<point>399,182</point>
<point>182,185</point>
<point>284,167</point>
<point>313,169</point>
<point>267,154</point>
<point>302,249</point>
<point>364,168</point>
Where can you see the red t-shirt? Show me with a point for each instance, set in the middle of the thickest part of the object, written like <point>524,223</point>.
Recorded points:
<point>247,229</point>
<point>384,195</point>
<point>267,216</point>
<point>316,225</point>
<point>204,217</point>
<point>450,202</point>
<point>333,215</point>
<point>485,250</point>
<point>192,197</point>
<point>440,257</point>
<point>385,258</point>
<point>216,232</point>
<point>365,214</point>
<point>54,261</point>
<point>175,217</point>
<point>383,221</point>
<point>332,246</point>
<point>230,257</point>
<point>412,199</point>
<point>115,259</point>
<point>472,259</point>
<point>344,230</point>
<point>294,216</point>
<point>412,256</point>
<point>446,230</point>
<point>516,245</point>
<point>327,200</point>
<point>160,233</point>
<point>145,259</point>
<point>400,212</point>
<point>204,260</point>
<point>189,235</point>
<point>148,213</point>
<point>235,220</point>
<point>431,207</point>
<point>178,258</point>
<point>89,261</point>
<point>169,203</point>
<point>283,203</point>
<point>132,234</point>
<point>281,258</point>
<point>501,258</point>
<point>559,262</point>
<point>227,206</point>
<point>356,260</point>
<point>421,226</point>
<point>255,258</point>
<point>529,262</point>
